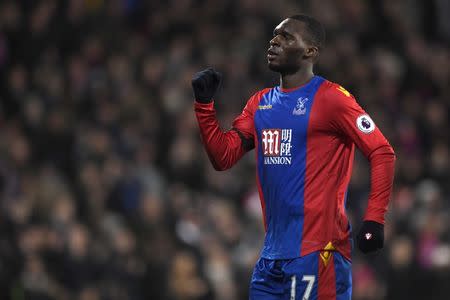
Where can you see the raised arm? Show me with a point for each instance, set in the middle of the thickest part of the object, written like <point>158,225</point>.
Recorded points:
<point>224,148</point>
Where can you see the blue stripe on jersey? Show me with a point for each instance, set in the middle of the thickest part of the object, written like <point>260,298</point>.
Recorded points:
<point>343,273</point>
<point>281,124</point>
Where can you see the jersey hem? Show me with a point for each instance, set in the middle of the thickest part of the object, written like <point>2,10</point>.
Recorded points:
<point>344,248</point>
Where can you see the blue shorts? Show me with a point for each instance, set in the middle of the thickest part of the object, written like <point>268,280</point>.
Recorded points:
<point>322,275</point>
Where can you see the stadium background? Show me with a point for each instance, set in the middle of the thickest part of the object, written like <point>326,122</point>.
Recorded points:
<point>106,192</point>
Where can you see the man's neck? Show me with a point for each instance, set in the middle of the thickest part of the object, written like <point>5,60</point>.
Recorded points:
<point>299,78</point>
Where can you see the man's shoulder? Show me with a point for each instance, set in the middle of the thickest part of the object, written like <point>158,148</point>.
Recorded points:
<point>255,99</point>
<point>262,92</point>
<point>257,96</point>
<point>333,97</point>
<point>333,89</point>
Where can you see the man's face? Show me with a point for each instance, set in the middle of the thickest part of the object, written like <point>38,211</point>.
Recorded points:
<point>287,50</point>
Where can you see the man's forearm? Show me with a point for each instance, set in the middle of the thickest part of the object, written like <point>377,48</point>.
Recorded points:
<point>224,148</point>
<point>382,163</point>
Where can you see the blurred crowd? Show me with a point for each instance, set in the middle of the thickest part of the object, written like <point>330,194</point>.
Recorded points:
<point>106,191</point>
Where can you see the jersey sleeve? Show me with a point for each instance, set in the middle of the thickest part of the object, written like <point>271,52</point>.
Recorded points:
<point>349,120</point>
<point>225,148</point>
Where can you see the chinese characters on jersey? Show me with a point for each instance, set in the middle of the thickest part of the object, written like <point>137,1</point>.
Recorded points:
<point>277,145</point>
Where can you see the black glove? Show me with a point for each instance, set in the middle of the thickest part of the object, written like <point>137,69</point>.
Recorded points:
<point>205,84</point>
<point>370,237</point>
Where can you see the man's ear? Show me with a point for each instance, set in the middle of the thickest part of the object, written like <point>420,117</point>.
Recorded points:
<point>311,52</point>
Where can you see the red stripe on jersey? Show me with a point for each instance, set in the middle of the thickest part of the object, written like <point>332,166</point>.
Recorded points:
<point>328,171</point>
<point>258,183</point>
<point>327,279</point>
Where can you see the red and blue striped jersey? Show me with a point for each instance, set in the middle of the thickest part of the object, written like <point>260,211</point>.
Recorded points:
<point>304,140</point>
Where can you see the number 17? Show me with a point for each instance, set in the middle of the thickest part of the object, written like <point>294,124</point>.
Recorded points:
<point>310,283</point>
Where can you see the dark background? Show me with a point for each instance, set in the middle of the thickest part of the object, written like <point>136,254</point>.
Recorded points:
<point>106,191</point>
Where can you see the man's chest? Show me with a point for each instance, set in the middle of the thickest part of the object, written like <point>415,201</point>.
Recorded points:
<point>281,123</point>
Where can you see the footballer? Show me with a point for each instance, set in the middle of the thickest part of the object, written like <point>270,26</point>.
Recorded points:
<point>304,132</point>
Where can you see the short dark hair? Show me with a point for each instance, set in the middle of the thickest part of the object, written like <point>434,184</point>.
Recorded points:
<point>315,30</point>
